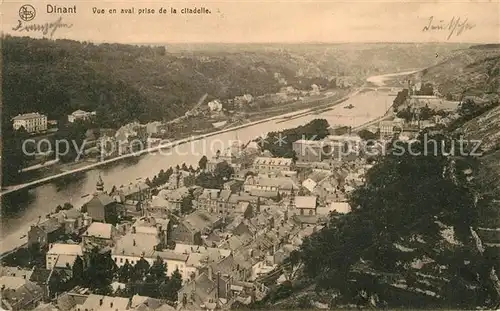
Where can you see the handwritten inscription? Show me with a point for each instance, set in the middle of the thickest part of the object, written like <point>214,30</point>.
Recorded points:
<point>456,26</point>
<point>45,29</point>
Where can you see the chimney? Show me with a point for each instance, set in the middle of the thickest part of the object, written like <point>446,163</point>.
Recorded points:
<point>111,305</point>
<point>100,301</point>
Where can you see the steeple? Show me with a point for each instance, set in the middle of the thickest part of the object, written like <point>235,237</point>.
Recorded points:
<point>99,187</point>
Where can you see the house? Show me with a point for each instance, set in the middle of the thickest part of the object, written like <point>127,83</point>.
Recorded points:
<point>180,179</point>
<point>136,246</point>
<point>199,257</point>
<point>185,233</point>
<point>155,226</point>
<point>233,185</point>
<point>265,165</point>
<point>72,220</point>
<point>153,127</point>
<point>213,200</point>
<point>80,115</point>
<point>305,205</point>
<point>103,303</point>
<point>136,192</point>
<point>203,221</point>
<point>99,235</point>
<point>18,293</point>
<point>315,178</point>
<point>202,291</point>
<point>283,185</point>
<point>145,303</point>
<point>167,201</point>
<point>45,233</point>
<point>338,207</point>
<point>62,254</point>
<point>32,122</point>
<point>102,208</point>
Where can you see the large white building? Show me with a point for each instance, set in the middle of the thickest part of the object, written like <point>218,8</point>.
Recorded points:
<point>80,115</point>
<point>32,122</point>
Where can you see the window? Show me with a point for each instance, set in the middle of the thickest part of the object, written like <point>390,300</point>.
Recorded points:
<point>301,212</point>
<point>311,212</point>
<point>121,260</point>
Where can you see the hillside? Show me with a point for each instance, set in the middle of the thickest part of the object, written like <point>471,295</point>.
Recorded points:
<point>471,71</point>
<point>124,82</point>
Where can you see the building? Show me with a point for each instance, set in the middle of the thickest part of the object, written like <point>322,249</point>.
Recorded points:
<point>102,207</point>
<point>18,293</point>
<point>305,205</point>
<point>80,115</point>
<point>99,235</point>
<point>103,303</point>
<point>316,178</point>
<point>167,201</point>
<point>45,232</point>
<point>59,253</point>
<point>133,247</point>
<point>308,150</point>
<point>265,165</point>
<point>388,128</point>
<point>72,220</point>
<point>155,226</point>
<point>185,233</point>
<point>256,185</point>
<point>32,122</point>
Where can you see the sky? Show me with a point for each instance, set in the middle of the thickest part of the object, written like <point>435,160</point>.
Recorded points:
<point>264,21</point>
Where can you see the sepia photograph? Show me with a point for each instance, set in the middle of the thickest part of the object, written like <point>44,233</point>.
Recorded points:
<point>250,155</point>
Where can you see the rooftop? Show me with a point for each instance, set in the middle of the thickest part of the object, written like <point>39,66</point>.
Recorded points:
<point>27,116</point>
<point>65,249</point>
<point>99,230</point>
<point>272,161</point>
<point>136,244</point>
<point>306,201</point>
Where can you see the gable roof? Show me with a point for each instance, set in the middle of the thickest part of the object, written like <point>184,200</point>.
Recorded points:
<point>99,230</point>
<point>49,225</point>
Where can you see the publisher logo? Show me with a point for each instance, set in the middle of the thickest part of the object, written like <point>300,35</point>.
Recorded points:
<point>27,12</point>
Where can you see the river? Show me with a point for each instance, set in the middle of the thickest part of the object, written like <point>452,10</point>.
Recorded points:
<point>43,199</point>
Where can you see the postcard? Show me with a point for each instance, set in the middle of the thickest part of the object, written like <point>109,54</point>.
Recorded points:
<point>258,154</point>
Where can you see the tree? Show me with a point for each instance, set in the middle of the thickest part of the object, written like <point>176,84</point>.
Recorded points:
<point>169,291</point>
<point>202,164</point>
<point>125,272</point>
<point>187,203</point>
<point>100,271</point>
<point>140,270</point>
<point>78,271</point>
<point>157,272</point>
<point>389,211</point>
<point>223,170</point>
<point>184,167</point>
<point>207,180</point>
<point>367,135</point>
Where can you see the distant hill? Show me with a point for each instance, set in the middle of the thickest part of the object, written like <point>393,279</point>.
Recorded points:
<point>125,82</point>
<point>471,71</point>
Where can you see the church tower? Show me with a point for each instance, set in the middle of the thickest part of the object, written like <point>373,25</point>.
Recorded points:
<point>99,187</point>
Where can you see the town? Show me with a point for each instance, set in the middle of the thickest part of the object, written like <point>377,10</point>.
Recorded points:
<point>204,238</point>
